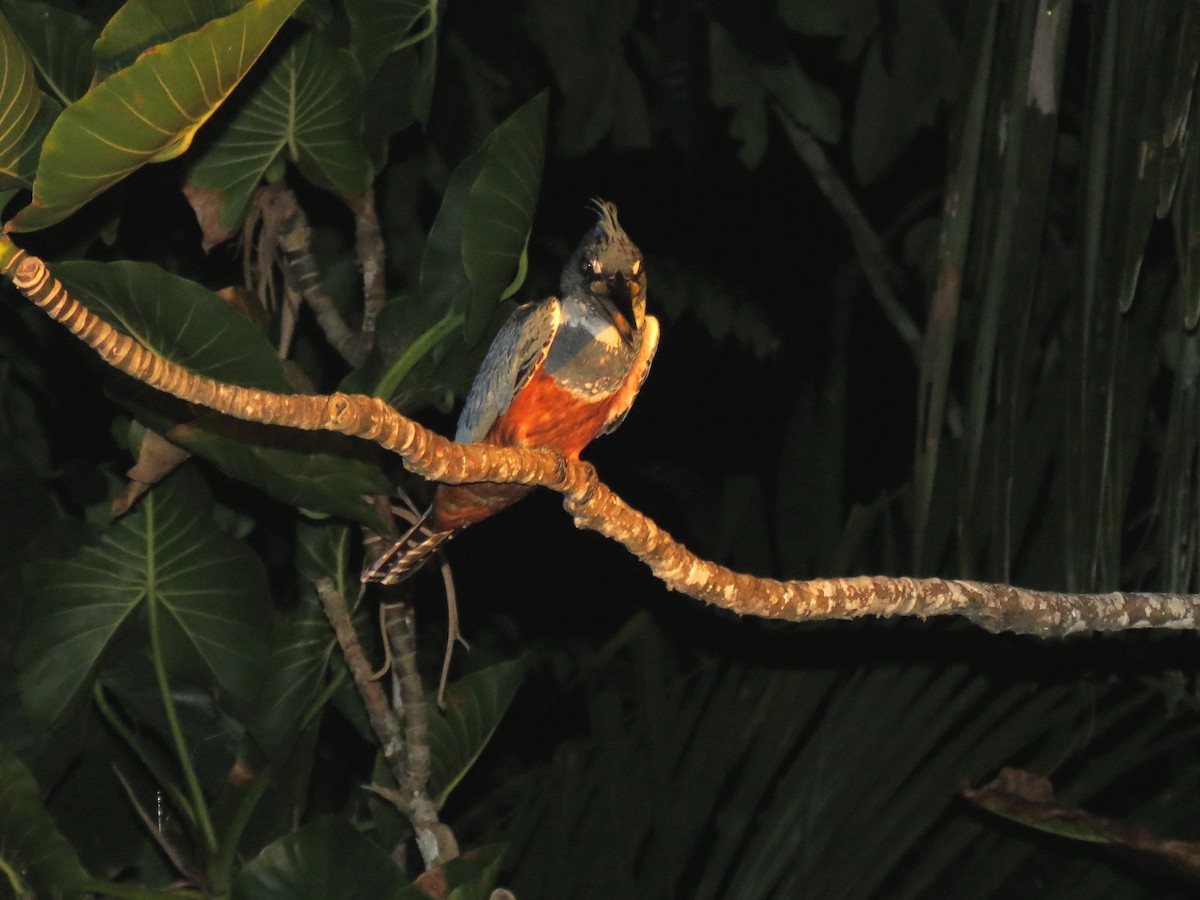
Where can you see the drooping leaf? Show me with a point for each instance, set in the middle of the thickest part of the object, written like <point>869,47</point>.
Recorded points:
<point>377,27</point>
<point>472,875</point>
<point>906,74</point>
<point>209,592</point>
<point>735,87</point>
<point>35,860</point>
<point>602,96</point>
<point>189,325</point>
<point>747,87</point>
<point>1029,799</point>
<point>327,858</point>
<point>476,241</point>
<point>59,44</point>
<point>307,109</point>
<point>147,112</point>
<point>25,113</point>
<point>141,24</point>
<point>475,705</point>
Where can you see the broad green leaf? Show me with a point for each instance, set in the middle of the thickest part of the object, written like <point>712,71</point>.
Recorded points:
<point>35,860</point>
<point>148,112</point>
<point>377,27</point>
<point>209,594</point>
<point>142,24</point>
<point>307,109</point>
<point>189,325</point>
<point>475,244</point>
<point>25,113</point>
<point>500,212</point>
<point>328,859</point>
<point>475,705</point>
<point>58,43</point>
<point>313,470</point>
<point>303,642</point>
<point>177,319</point>
<point>300,657</point>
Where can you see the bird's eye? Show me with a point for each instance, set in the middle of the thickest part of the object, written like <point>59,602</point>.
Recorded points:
<point>591,267</point>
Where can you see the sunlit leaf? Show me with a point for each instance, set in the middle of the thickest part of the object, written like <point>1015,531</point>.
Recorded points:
<point>307,109</point>
<point>25,113</point>
<point>147,112</point>
<point>474,707</point>
<point>327,858</point>
<point>59,44</point>
<point>209,592</point>
<point>35,860</point>
<point>141,24</point>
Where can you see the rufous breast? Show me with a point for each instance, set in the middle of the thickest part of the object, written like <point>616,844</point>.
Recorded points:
<point>543,414</point>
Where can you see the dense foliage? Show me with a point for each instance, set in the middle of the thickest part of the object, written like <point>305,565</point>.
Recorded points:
<point>990,373</point>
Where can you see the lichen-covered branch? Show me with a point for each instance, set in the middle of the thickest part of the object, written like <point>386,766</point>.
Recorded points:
<point>383,719</point>
<point>434,840</point>
<point>369,246</point>
<point>300,271</point>
<point>996,607</point>
<point>404,744</point>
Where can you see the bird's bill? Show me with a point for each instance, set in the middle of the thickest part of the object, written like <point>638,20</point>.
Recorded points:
<point>621,294</point>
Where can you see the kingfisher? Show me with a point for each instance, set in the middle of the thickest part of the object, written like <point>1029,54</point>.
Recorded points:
<point>560,372</point>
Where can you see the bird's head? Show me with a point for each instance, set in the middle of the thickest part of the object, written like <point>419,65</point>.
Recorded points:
<point>608,269</point>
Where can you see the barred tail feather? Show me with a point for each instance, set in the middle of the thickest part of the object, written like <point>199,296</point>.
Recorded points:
<point>408,554</point>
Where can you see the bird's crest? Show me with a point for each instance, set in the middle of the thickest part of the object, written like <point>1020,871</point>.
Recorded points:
<point>608,218</point>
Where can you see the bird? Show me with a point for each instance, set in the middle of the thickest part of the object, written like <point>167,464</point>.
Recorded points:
<point>560,372</point>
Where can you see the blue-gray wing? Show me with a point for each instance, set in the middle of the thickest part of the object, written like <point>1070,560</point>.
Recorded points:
<point>519,347</point>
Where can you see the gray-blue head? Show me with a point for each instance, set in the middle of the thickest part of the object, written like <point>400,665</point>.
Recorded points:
<point>607,269</point>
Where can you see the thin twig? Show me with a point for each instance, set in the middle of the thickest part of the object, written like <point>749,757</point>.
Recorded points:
<point>881,271</point>
<point>453,633</point>
<point>883,274</point>
<point>169,849</point>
